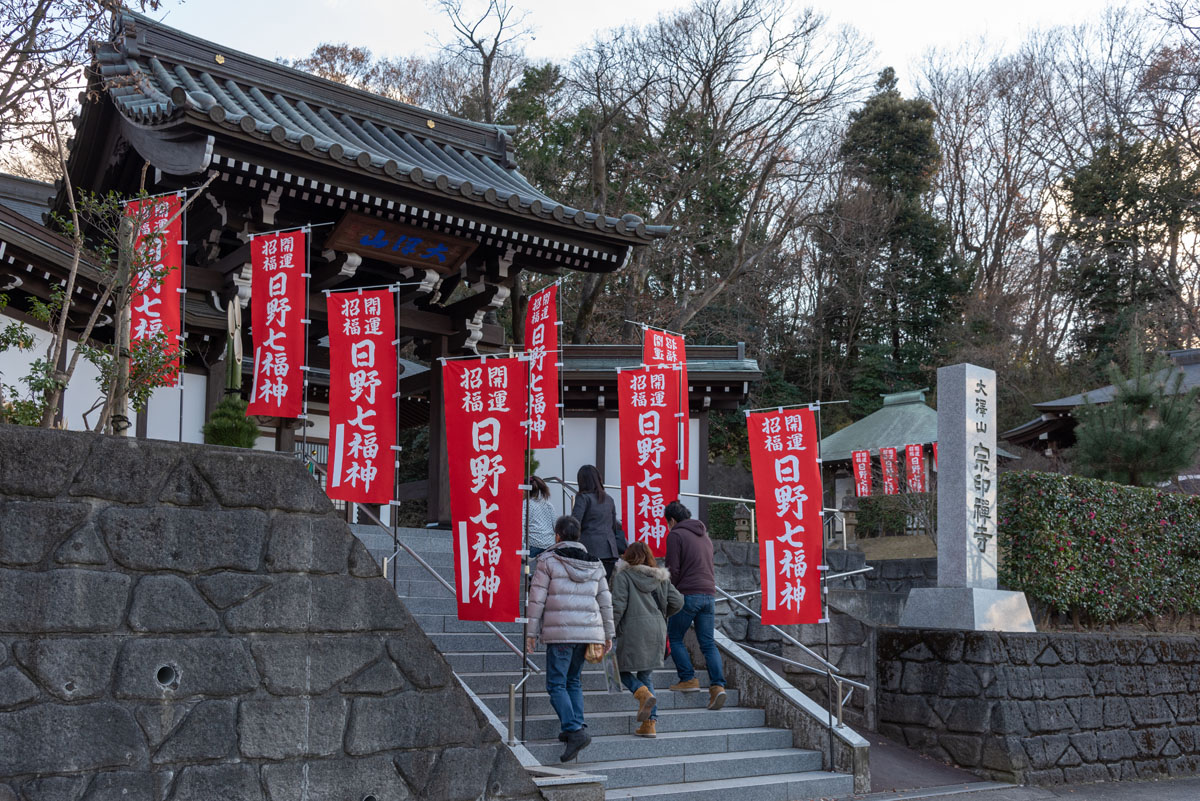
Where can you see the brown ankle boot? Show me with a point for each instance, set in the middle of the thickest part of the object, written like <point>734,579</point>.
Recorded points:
<point>689,686</point>
<point>646,701</point>
<point>647,729</point>
<point>716,697</point>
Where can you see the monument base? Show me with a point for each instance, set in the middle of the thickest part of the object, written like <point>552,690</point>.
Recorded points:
<point>969,608</point>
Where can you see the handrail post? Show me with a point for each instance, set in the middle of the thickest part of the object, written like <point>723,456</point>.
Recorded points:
<point>512,713</point>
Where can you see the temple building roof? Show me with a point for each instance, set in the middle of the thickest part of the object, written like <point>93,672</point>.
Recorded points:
<point>159,78</point>
<point>905,419</point>
<point>1056,423</point>
<point>27,197</point>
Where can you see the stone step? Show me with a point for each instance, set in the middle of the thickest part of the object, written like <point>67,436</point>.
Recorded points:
<point>776,787</point>
<point>598,701</point>
<point>422,544</point>
<point>422,588</point>
<point>546,727</point>
<point>465,643</point>
<point>488,683</point>
<point>448,624</point>
<point>672,771</point>
<point>442,560</point>
<point>670,744</point>
<point>488,662</point>
<point>436,605</point>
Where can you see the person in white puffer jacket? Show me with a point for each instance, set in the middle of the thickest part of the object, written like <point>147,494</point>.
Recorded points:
<point>569,607</point>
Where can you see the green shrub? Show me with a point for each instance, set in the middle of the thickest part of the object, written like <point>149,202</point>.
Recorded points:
<point>720,520</point>
<point>1100,551</point>
<point>230,426</point>
<point>882,515</point>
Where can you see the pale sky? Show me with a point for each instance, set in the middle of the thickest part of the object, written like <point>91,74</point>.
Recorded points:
<point>901,31</point>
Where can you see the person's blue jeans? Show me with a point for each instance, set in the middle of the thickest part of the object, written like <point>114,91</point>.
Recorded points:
<point>643,678</point>
<point>564,662</point>
<point>701,610</point>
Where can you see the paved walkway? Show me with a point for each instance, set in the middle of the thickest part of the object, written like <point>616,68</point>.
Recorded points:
<point>1168,790</point>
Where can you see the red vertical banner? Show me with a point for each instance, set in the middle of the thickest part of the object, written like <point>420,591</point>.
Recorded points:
<point>278,291</point>
<point>362,411</point>
<point>862,473</point>
<point>155,308</point>
<point>647,401</point>
<point>485,433</point>
<point>889,471</point>
<point>660,349</point>
<point>541,344</point>
<point>935,467</point>
<point>788,502</point>
<point>914,458</point>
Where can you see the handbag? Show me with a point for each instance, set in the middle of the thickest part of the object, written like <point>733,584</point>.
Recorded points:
<point>594,653</point>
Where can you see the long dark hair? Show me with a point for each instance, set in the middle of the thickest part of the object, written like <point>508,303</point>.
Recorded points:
<point>590,480</point>
<point>537,488</point>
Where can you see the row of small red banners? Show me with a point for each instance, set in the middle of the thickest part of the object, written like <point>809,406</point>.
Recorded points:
<point>914,462</point>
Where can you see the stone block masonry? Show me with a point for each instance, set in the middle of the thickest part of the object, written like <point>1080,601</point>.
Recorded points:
<point>1044,708</point>
<point>181,622</point>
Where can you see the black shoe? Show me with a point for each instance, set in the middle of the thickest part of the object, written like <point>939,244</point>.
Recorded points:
<point>562,735</point>
<point>576,742</point>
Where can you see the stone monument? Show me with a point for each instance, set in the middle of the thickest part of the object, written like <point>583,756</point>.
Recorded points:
<point>966,596</point>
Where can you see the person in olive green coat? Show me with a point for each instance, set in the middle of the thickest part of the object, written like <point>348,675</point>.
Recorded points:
<point>643,598</point>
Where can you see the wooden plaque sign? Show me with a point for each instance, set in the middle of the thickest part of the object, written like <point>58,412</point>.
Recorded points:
<point>386,240</point>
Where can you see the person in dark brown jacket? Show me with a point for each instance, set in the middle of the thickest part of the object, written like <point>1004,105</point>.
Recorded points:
<point>690,561</point>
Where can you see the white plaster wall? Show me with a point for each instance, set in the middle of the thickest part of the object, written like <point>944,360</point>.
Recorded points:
<point>166,420</point>
<point>82,393</point>
<point>580,437</point>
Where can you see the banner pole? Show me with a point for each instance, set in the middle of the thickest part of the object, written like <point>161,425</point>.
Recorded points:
<point>562,398</point>
<point>524,588</point>
<point>181,340</point>
<point>825,599</point>
<point>306,274</point>
<point>394,509</point>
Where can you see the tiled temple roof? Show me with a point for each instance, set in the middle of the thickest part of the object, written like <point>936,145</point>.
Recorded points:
<point>158,77</point>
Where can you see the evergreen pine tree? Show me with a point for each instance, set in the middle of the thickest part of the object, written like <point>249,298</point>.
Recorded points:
<point>1147,433</point>
<point>230,426</point>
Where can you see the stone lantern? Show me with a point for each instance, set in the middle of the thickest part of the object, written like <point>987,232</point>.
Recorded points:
<point>743,526</point>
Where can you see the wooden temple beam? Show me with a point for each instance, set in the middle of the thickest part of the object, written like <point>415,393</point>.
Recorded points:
<point>338,267</point>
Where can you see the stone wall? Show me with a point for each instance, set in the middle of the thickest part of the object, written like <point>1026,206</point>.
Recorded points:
<point>901,575</point>
<point>1044,708</point>
<point>190,623</point>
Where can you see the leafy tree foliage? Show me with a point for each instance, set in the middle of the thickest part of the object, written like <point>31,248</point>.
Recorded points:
<point>1129,203</point>
<point>894,283</point>
<point>1147,433</point>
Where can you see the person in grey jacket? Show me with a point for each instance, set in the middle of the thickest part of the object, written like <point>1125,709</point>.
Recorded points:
<point>569,607</point>
<point>643,599</point>
<point>600,530</point>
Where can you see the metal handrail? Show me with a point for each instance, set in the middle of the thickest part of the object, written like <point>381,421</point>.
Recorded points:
<point>838,680</point>
<point>436,575</point>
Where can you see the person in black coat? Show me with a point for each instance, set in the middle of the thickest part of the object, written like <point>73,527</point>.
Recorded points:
<point>601,531</point>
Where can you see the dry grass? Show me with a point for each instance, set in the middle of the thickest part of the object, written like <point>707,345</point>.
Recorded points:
<point>915,547</point>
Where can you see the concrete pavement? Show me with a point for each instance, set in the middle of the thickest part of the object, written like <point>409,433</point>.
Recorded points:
<point>1166,790</point>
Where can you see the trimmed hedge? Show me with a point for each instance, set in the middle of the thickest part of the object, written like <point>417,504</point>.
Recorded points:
<point>1101,550</point>
<point>720,520</point>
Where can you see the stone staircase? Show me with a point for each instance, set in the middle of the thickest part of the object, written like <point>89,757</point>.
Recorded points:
<point>698,755</point>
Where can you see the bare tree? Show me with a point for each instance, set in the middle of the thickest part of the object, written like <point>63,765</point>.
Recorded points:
<point>488,40</point>
<point>43,47</point>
